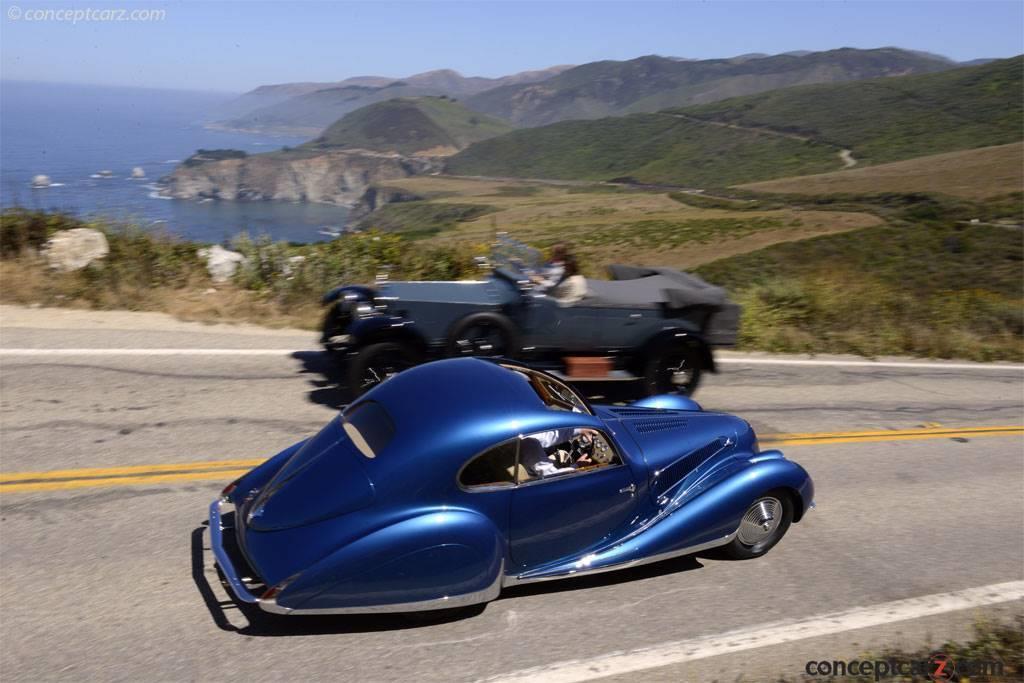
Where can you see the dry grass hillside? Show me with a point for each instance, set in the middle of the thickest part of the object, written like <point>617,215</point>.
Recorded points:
<point>971,174</point>
<point>607,225</point>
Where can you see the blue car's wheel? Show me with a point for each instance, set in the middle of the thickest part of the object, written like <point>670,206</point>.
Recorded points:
<point>763,525</point>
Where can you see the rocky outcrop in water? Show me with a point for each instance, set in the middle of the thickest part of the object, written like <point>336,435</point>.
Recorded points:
<point>332,177</point>
<point>376,197</point>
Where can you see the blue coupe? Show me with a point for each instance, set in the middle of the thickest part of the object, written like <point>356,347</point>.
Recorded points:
<point>456,478</point>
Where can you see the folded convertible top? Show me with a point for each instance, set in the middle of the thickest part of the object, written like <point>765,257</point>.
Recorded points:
<point>642,286</point>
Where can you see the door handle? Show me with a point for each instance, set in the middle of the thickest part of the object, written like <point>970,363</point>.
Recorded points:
<point>631,489</point>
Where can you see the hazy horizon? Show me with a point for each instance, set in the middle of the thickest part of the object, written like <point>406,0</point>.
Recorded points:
<point>233,93</point>
<point>235,47</point>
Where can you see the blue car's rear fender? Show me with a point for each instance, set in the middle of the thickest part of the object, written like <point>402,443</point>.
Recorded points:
<point>436,554</point>
<point>258,477</point>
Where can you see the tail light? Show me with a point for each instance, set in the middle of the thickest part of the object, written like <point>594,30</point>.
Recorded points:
<point>271,593</point>
<point>229,489</point>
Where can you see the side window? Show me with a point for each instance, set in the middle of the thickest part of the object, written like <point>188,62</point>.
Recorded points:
<point>564,452</point>
<point>494,467</point>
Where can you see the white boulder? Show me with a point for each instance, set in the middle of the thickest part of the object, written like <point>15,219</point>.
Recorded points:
<point>41,181</point>
<point>74,249</point>
<point>221,263</point>
<point>138,172</point>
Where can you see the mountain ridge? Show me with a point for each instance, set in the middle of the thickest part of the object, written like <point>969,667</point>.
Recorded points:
<point>307,108</point>
<point>785,132</point>
<point>651,83</point>
<point>424,126</point>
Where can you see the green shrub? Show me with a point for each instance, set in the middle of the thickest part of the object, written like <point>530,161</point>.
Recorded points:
<point>24,230</point>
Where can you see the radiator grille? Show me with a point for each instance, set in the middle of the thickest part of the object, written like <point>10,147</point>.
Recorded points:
<point>643,412</point>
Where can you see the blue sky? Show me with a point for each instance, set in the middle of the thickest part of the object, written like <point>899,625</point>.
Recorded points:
<point>234,46</point>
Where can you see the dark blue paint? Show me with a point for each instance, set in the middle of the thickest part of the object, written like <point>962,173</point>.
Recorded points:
<point>346,531</point>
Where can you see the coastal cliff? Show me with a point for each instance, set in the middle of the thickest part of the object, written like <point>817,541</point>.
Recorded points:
<point>332,177</point>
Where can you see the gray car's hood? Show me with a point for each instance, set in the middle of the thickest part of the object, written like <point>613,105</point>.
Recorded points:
<point>483,292</point>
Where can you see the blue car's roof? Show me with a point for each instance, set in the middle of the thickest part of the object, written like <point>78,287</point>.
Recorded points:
<point>458,407</point>
<point>463,390</point>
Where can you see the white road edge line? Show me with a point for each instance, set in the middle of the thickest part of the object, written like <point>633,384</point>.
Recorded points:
<point>777,633</point>
<point>868,364</point>
<point>722,360</point>
<point>151,352</point>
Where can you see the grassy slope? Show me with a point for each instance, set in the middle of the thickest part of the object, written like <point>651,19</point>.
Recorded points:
<point>409,125</point>
<point>925,284</point>
<point>973,174</point>
<point>417,219</point>
<point>604,224</point>
<point>881,120</point>
<point>889,119</point>
<point>651,148</point>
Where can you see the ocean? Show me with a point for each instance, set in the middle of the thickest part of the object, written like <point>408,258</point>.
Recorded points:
<point>72,132</point>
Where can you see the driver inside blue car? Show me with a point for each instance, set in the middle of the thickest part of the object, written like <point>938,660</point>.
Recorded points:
<point>555,452</point>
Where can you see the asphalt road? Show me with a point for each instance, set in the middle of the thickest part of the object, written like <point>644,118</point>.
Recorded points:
<point>115,582</point>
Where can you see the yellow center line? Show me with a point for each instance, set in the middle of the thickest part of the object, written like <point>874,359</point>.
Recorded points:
<point>896,432</point>
<point>221,475</point>
<point>97,472</point>
<point>896,437</point>
<point>227,470</point>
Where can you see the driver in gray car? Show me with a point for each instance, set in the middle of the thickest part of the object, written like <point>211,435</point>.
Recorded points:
<point>560,278</point>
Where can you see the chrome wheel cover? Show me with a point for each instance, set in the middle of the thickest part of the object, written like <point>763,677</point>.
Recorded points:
<point>760,521</point>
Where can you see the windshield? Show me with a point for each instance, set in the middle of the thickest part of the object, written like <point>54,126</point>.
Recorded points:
<point>369,426</point>
<point>515,256</point>
<point>555,395</point>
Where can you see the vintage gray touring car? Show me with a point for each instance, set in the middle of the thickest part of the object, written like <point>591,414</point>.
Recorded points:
<point>654,324</point>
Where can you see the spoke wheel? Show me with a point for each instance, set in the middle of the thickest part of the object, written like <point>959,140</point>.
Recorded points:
<point>673,370</point>
<point>487,335</point>
<point>379,362</point>
<point>482,339</point>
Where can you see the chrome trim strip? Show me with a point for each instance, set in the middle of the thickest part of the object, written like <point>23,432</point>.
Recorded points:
<point>664,497</point>
<point>566,574</point>
<point>484,595</point>
<point>223,561</point>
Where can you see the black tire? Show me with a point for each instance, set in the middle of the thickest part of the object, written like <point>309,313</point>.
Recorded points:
<point>763,525</point>
<point>377,362</point>
<point>673,368</point>
<point>335,322</point>
<point>483,334</point>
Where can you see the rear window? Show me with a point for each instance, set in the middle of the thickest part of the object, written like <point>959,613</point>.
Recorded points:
<point>369,426</point>
<point>553,393</point>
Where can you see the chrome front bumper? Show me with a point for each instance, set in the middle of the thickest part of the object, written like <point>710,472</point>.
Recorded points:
<point>220,554</point>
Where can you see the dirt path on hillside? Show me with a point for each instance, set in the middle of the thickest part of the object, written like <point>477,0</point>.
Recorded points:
<point>845,155</point>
